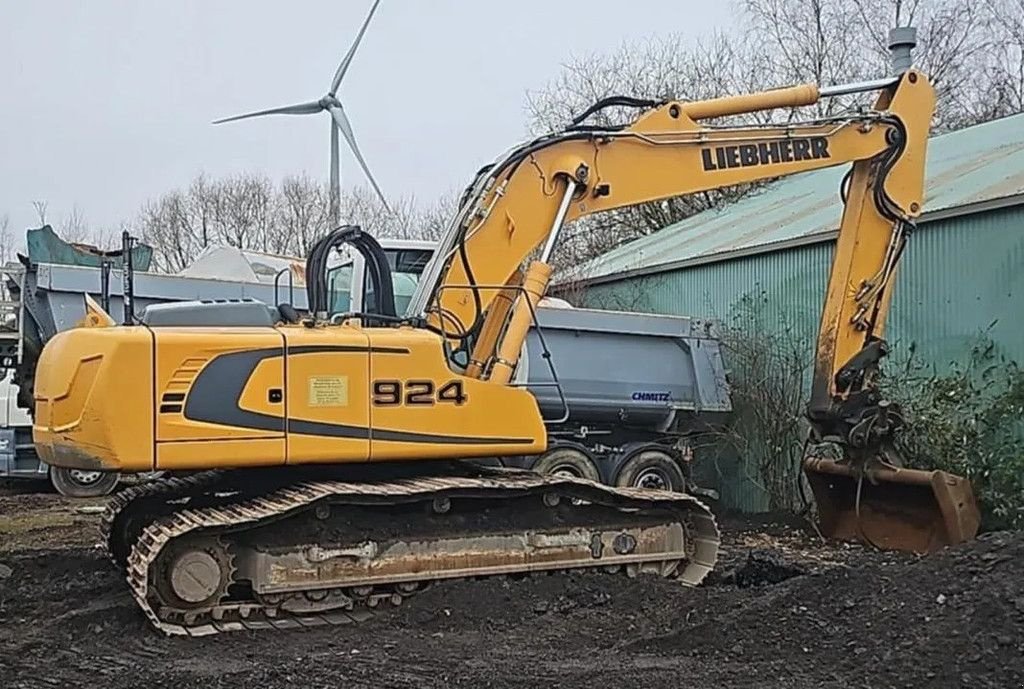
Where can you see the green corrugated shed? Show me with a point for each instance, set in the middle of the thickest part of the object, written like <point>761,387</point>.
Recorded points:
<point>963,273</point>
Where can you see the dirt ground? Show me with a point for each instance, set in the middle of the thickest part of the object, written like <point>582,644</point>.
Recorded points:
<point>783,610</point>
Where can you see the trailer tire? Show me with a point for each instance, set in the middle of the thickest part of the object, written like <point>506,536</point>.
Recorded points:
<point>72,483</point>
<point>652,469</point>
<point>568,460</point>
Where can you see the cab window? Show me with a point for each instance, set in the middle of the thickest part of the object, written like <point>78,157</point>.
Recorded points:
<point>406,267</point>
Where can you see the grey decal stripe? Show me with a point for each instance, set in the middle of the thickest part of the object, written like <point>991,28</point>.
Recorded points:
<point>218,388</point>
<point>268,422</point>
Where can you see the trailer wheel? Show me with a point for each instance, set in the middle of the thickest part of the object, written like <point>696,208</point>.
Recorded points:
<point>567,461</point>
<point>75,483</point>
<point>652,469</point>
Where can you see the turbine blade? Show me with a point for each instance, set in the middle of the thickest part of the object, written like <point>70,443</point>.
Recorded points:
<point>309,108</point>
<point>346,130</point>
<point>334,193</point>
<point>343,67</point>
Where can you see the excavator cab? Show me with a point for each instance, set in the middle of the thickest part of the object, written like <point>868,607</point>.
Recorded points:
<point>890,507</point>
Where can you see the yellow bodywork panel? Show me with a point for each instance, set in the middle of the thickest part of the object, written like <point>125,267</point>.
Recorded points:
<point>421,409</point>
<point>243,397</point>
<point>328,394</point>
<point>94,399</point>
<point>182,354</point>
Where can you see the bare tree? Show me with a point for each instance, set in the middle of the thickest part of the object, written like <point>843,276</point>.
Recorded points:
<point>40,208</point>
<point>245,211</point>
<point>243,214</point>
<point>7,248</point>
<point>657,69</point>
<point>970,50</point>
<point>73,227</point>
<point>432,221</point>
<point>250,212</point>
<point>302,212</point>
<point>810,41</point>
<point>364,208</point>
<point>76,229</point>
<point>956,47</point>
<point>106,238</point>
<point>169,226</point>
<point>1005,91</point>
<point>6,254</point>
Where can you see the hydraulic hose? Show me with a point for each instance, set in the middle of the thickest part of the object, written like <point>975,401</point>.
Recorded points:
<point>377,267</point>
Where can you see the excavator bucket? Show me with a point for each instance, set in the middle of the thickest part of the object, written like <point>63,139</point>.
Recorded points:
<point>898,508</point>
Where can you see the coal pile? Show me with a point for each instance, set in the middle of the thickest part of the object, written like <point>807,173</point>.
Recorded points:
<point>951,619</point>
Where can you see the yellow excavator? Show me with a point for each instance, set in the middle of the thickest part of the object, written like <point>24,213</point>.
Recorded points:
<point>316,461</point>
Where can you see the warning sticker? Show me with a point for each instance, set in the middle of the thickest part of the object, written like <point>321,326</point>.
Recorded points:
<point>328,391</point>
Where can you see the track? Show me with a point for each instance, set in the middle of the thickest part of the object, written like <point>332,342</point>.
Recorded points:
<point>202,556</point>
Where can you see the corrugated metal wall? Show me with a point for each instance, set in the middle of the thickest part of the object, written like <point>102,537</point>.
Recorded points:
<point>960,277</point>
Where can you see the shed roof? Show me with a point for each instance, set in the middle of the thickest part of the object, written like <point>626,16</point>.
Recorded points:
<point>967,170</point>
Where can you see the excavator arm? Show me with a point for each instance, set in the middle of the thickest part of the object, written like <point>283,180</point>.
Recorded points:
<point>493,265</point>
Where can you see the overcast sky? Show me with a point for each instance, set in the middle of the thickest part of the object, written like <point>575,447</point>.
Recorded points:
<point>106,104</point>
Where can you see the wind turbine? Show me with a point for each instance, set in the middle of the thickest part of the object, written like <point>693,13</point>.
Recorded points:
<point>339,122</point>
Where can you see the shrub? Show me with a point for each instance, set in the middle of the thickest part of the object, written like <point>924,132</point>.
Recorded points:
<point>767,364</point>
<point>968,421</point>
